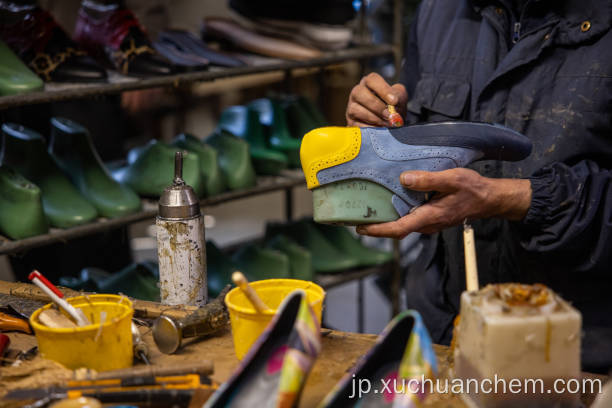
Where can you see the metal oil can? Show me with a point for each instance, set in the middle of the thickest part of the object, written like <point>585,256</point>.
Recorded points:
<point>181,246</point>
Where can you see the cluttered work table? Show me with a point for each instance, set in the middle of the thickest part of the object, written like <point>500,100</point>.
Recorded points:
<point>340,351</point>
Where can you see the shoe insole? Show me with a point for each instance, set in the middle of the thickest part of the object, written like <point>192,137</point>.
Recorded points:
<point>383,384</point>
<point>259,388</point>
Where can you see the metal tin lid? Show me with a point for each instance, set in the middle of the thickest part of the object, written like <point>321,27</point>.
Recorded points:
<point>179,201</point>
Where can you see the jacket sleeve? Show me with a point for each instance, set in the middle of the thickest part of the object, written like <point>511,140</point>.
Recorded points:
<point>571,211</point>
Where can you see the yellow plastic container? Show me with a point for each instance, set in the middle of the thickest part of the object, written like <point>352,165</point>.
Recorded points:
<point>247,324</point>
<point>105,346</point>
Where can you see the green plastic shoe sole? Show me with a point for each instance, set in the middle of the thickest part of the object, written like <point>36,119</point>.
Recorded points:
<point>26,152</point>
<point>262,263</point>
<point>349,244</point>
<point>15,76</point>
<point>21,209</point>
<point>209,162</point>
<point>234,160</point>
<point>353,202</point>
<point>152,170</point>
<point>300,259</point>
<point>73,150</point>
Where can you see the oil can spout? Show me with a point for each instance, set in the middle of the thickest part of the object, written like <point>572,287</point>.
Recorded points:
<point>178,169</point>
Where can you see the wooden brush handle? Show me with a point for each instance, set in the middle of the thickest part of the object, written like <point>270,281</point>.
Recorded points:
<point>241,281</point>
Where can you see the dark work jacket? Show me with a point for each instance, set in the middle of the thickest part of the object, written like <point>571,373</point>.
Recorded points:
<point>554,85</point>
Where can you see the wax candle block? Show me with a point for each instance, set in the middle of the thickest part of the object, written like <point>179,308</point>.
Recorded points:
<point>521,343</point>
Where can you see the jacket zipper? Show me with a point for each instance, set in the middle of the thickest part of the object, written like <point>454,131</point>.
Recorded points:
<point>517,32</point>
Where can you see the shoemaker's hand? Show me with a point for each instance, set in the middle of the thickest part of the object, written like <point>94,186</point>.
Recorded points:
<point>367,104</point>
<point>460,194</point>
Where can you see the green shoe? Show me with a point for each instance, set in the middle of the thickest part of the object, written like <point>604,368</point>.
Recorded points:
<point>261,263</point>
<point>243,122</point>
<point>234,159</point>
<point>139,281</point>
<point>25,151</point>
<point>272,116</point>
<point>219,269</point>
<point>72,149</point>
<point>209,162</point>
<point>21,208</point>
<point>15,76</point>
<point>349,244</point>
<point>313,111</point>
<point>300,260</point>
<point>300,119</point>
<point>88,281</point>
<point>326,258</point>
<point>151,169</point>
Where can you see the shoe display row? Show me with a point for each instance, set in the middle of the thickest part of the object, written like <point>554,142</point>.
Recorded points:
<point>109,36</point>
<point>61,185</point>
<point>295,250</point>
<point>65,183</point>
<point>274,28</point>
<point>273,127</point>
<point>138,280</point>
<point>334,249</point>
<point>274,371</point>
<point>278,258</point>
<point>33,46</point>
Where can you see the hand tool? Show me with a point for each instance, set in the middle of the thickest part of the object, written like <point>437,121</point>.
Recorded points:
<point>168,333</point>
<point>153,391</point>
<point>10,323</point>
<point>180,243</point>
<point>141,349</point>
<point>202,368</point>
<point>58,297</point>
<point>241,281</point>
<point>471,267</point>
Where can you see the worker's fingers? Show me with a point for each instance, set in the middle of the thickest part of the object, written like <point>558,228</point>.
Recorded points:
<point>442,181</point>
<point>419,220</point>
<point>366,98</point>
<point>357,113</point>
<point>390,95</point>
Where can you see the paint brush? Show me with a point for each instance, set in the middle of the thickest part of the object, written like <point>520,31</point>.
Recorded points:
<point>54,293</point>
<point>395,119</point>
<point>241,281</point>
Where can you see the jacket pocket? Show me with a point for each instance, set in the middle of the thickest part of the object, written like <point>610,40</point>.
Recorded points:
<point>438,99</point>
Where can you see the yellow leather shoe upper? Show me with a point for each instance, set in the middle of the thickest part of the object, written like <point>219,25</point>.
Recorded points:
<point>327,147</point>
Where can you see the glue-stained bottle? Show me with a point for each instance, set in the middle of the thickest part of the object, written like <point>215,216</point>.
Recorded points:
<point>181,248</point>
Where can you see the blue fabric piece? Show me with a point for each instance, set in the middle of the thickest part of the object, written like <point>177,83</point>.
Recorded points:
<point>554,85</point>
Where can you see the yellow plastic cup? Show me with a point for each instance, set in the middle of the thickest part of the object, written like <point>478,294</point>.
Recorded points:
<point>106,346</point>
<point>247,324</point>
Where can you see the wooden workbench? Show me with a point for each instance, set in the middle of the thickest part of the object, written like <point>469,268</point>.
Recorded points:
<point>340,352</point>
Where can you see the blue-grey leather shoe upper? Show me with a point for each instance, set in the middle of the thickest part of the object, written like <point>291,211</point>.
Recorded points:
<point>385,153</point>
